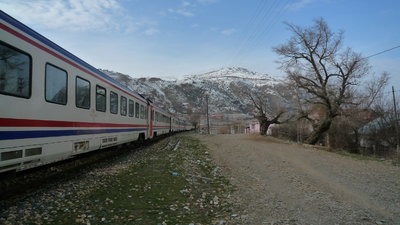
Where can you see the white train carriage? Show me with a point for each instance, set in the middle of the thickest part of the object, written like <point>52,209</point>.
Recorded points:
<point>161,121</point>
<point>54,105</point>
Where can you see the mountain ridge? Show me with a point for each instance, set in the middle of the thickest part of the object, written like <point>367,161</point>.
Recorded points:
<point>186,95</point>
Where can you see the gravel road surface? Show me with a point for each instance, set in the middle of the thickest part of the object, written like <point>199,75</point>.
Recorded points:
<point>281,183</point>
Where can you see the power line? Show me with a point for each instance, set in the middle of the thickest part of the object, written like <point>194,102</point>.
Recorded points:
<point>390,49</point>
<point>389,92</point>
<point>263,22</point>
<point>259,16</point>
<point>264,35</point>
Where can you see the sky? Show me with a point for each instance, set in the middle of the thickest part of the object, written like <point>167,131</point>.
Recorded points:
<point>172,38</point>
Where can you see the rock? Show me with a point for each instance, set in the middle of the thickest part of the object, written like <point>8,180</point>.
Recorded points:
<point>215,200</point>
<point>221,222</point>
<point>184,191</point>
<point>214,171</point>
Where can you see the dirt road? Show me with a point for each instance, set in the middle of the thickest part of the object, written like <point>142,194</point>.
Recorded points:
<point>280,183</point>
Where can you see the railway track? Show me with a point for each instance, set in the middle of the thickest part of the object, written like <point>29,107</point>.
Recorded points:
<point>26,183</point>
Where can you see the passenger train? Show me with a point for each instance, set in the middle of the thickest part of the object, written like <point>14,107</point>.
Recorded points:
<point>54,105</point>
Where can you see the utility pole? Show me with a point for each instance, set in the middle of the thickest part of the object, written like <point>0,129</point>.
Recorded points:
<point>396,124</point>
<point>208,120</point>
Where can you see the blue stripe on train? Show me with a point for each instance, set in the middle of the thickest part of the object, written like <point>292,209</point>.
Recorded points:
<point>12,135</point>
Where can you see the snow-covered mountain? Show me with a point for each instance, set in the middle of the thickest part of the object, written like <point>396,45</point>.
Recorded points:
<point>234,74</point>
<point>187,95</point>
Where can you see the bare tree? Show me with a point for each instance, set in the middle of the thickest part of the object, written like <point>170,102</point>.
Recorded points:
<point>267,111</point>
<point>194,120</point>
<point>369,103</point>
<point>325,73</point>
<point>373,95</point>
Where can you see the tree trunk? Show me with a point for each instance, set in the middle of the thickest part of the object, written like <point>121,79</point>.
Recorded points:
<point>357,142</point>
<point>264,125</point>
<point>319,131</point>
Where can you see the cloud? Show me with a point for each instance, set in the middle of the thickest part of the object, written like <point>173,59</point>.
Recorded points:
<point>186,4</point>
<point>207,1</point>
<point>228,32</point>
<point>183,12</point>
<point>151,31</point>
<point>71,14</point>
<point>214,29</point>
<point>185,9</point>
<point>299,4</point>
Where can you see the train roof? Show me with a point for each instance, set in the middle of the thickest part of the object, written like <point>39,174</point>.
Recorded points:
<point>90,69</point>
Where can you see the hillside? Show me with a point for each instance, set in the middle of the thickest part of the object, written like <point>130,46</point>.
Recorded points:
<point>187,95</point>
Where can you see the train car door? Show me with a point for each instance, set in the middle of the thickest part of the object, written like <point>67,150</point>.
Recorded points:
<point>150,119</point>
<point>170,124</point>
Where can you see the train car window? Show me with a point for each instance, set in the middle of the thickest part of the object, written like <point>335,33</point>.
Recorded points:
<point>56,85</point>
<point>15,72</point>
<point>146,113</point>
<point>152,115</point>
<point>141,112</point>
<point>82,93</point>
<point>137,110</point>
<point>113,102</point>
<point>123,106</point>
<point>131,108</point>
<point>100,98</point>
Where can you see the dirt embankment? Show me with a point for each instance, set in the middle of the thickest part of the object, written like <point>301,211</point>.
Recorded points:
<point>280,183</point>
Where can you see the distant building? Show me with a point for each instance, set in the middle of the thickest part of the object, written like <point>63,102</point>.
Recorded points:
<point>253,127</point>
<point>224,123</point>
